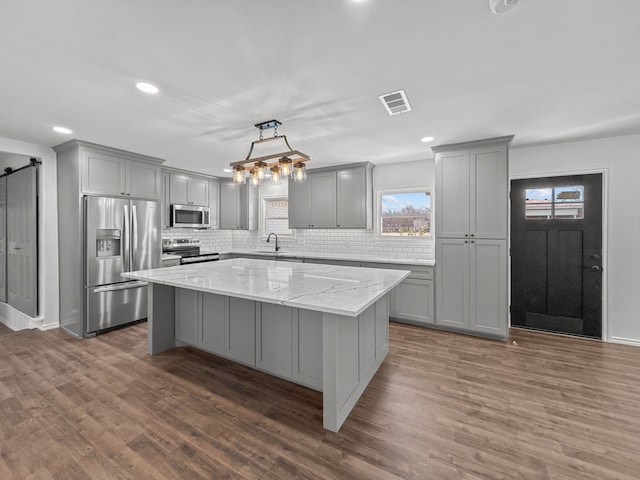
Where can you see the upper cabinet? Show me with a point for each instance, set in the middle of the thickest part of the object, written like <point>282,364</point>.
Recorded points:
<point>105,174</point>
<point>312,204</point>
<point>108,171</point>
<point>355,197</point>
<point>182,187</point>
<point>471,191</point>
<point>238,206</point>
<point>188,190</point>
<point>335,197</point>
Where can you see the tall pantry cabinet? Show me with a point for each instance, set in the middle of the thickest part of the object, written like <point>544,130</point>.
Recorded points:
<point>471,236</point>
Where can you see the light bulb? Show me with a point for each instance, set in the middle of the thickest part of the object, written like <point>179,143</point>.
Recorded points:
<point>254,179</point>
<point>276,178</point>
<point>238,175</point>
<point>285,167</point>
<point>300,174</point>
<point>260,168</point>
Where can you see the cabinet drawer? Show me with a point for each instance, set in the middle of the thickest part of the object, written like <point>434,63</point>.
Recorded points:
<point>423,272</point>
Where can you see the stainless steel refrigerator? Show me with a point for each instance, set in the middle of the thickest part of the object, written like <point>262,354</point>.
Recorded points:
<point>121,235</point>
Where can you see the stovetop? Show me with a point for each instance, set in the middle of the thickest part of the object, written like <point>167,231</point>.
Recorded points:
<point>185,247</point>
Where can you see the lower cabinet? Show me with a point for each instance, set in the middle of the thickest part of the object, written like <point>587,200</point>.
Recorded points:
<point>274,332</point>
<point>413,299</point>
<point>283,341</point>
<point>472,289</point>
<point>187,316</point>
<point>241,330</point>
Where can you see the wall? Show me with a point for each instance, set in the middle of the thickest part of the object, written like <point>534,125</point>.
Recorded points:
<point>619,157</point>
<point>419,174</point>
<point>48,240</point>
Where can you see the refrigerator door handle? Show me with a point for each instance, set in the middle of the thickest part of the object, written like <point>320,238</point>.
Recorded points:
<point>120,286</point>
<point>134,242</point>
<point>126,241</point>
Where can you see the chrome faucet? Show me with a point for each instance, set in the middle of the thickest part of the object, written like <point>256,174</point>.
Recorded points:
<point>269,237</point>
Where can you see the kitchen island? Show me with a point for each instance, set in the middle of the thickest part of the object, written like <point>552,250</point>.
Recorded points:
<point>322,326</point>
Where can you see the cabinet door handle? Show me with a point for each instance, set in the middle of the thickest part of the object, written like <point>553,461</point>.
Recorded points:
<point>122,193</point>
<point>466,241</point>
<point>466,235</point>
<point>473,241</point>
<point>472,234</point>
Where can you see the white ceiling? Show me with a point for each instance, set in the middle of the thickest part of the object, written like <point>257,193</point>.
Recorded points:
<point>549,71</point>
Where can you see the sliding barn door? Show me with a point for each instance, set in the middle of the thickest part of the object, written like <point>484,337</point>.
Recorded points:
<point>3,239</point>
<point>22,241</point>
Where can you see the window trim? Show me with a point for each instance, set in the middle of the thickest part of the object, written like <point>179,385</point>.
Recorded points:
<point>378,192</point>
<point>263,216</point>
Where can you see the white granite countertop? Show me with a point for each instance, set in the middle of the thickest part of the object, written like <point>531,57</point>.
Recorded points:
<point>324,288</point>
<point>332,256</point>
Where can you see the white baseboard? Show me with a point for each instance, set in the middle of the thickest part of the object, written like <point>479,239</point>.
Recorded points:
<point>626,341</point>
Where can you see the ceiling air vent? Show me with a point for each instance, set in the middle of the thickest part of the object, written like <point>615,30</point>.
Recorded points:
<point>395,102</point>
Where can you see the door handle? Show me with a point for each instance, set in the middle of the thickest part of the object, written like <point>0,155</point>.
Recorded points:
<point>126,251</point>
<point>594,268</point>
<point>134,244</point>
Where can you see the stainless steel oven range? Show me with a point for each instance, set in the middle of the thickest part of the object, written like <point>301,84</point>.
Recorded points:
<point>188,249</point>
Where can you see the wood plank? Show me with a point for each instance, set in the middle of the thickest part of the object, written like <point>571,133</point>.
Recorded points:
<point>441,406</point>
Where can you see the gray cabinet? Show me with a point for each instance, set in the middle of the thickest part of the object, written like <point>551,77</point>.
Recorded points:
<point>328,261</point>
<point>471,236</point>
<point>312,204</point>
<point>170,262</point>
<point>188,190</point>
<point>355,197</point>
<point>241,332</point>
<point>215,319</point>
<point>238,206</point>
<point>488,286</point>
<point>412,301</point>
<point>274,330</point>
<point>182,187</point>
<point>214,203</point>
<point>472,285</point>
<point>166,206</point>
<point>187,315</point>
<point>471,193</point>
<point>452,282</point>
<point>109,174</point>
<point>333,198</point>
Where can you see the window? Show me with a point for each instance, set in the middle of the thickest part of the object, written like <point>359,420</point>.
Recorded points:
<point>555,203</point>
<point>404,214</point>
<point>275,216</point>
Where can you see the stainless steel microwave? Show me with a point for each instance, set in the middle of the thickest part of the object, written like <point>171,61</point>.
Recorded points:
<point>189,216</point>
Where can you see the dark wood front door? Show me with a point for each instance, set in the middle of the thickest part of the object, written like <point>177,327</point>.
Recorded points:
<point>556,254</point>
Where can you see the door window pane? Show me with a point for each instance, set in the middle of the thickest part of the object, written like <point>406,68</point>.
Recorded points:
<point>555,203</point>
<point>539,203</point>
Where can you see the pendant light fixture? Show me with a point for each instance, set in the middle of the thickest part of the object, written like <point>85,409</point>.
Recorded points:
<point>284,164</point>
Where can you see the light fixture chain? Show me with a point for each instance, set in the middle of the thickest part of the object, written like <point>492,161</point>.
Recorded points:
<point>260,134</point>
<point>275,130</point>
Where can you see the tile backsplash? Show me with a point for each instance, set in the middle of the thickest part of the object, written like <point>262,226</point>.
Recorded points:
<point>341,241</point>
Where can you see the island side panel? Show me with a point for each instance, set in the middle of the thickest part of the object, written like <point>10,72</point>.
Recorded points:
<point>353,350</point>
<point>161,327</point>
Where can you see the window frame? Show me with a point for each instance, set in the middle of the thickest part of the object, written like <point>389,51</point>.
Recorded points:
<point>263,216</point>
<point>378,210</point>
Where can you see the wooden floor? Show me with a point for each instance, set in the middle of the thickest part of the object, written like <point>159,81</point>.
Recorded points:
<point>442,406</point>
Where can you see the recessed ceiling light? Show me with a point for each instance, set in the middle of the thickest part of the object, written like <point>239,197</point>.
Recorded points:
<point>63,130</point>
<point>427,139</point>
<point>227,170</point>
<point>147,87</point>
